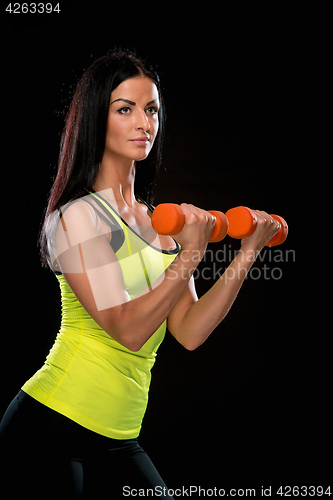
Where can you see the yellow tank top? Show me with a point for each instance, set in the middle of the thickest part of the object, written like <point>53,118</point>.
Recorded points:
<point>88,376</point>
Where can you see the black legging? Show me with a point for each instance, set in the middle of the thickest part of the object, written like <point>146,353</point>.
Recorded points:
<point>48,456</point>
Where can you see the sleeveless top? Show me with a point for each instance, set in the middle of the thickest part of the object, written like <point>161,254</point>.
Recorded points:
<point>87,375</point>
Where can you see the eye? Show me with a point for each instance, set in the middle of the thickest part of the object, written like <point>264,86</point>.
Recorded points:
<point>152,110</point>
<point>124,111</point>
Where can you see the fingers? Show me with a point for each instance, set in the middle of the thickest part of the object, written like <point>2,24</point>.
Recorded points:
<point>195,215</point>
<point>268,220</point>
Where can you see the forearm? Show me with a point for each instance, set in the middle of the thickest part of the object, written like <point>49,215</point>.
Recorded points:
<point>135,321</point>
<point>204,316</point>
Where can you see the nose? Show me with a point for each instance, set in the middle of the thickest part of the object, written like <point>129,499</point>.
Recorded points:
<point>142,122</point>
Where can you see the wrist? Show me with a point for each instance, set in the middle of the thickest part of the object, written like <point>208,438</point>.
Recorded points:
<point>248,254</point>
<point>185,264</point>
<point>250,246</point>
<point>191,254</point>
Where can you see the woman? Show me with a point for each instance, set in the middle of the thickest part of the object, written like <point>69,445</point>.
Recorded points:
<point>72,430</point>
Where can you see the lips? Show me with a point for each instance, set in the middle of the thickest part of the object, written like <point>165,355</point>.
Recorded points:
<point>140,141</point>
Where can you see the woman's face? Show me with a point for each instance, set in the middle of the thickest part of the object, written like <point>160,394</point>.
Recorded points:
<point>133,119</point>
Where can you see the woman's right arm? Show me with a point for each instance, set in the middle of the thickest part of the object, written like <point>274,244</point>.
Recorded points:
<point>92,271</point>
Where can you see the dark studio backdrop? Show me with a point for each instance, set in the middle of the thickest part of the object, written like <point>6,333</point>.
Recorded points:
<point>248,407</point>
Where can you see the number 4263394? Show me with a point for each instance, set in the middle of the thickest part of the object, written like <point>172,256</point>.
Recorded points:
<point>33,8</point>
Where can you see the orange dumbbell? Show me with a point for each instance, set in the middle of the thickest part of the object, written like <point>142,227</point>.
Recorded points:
<point>168,218</point>
<point>243,223</point>
<point>239,222</point>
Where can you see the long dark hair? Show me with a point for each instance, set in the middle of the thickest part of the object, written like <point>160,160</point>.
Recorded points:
<point>83,138</point>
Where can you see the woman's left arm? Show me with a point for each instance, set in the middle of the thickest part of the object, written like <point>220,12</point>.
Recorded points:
<point>192,320</point>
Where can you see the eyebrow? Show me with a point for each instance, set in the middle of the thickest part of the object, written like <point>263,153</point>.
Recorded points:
<point>132,103</point>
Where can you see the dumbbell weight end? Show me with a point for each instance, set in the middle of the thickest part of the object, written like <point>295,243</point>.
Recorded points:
<point>281,235</point>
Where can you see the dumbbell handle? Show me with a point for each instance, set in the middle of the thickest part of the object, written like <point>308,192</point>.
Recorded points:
<point>169,218</point>
<point>243,223</point>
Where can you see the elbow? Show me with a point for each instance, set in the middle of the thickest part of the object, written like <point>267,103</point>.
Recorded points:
<point>191,346</point>
<point>122,332</point>
<point>187,341</point>
<point>129,341</point>
<point>132,345</point>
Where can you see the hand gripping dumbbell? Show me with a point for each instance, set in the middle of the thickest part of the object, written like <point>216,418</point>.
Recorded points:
<point>240,222</point>
<point>243,222</point>
<point>169,218</point>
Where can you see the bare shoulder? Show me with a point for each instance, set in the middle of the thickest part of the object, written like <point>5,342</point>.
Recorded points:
<point>67,227</point>
<point>79,219</point>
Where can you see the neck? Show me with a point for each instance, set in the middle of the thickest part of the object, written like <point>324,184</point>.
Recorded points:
<point>119,176</point>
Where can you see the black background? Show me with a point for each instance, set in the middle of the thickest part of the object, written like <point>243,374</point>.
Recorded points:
<point>250,406</point>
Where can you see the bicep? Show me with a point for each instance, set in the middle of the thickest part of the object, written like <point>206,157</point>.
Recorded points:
<point>86,259</point>
<point>98,268</point>
<point>101,292</point>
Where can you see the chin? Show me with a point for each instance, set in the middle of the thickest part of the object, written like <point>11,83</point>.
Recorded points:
<point>142,156</point>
